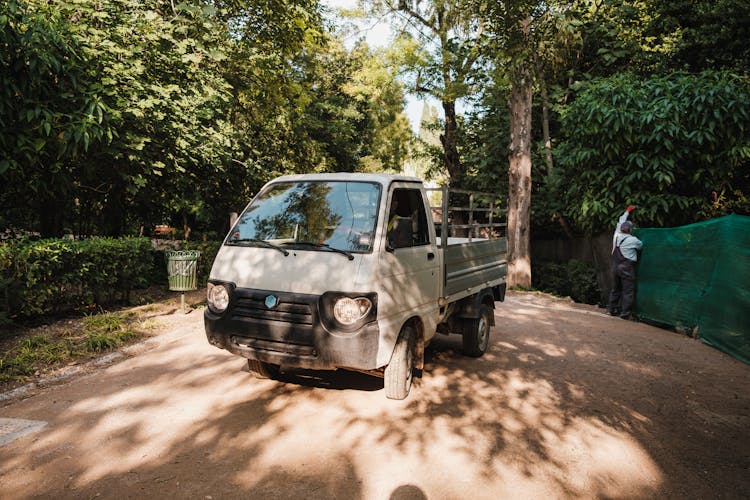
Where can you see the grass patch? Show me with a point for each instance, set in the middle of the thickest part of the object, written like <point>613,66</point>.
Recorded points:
<point>97,333</point>
<point>149,324</point>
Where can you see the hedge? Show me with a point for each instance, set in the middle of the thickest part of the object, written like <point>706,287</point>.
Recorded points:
<point>53,276</point>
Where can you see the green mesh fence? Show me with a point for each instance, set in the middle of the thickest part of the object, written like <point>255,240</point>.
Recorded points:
<point>699,276</point>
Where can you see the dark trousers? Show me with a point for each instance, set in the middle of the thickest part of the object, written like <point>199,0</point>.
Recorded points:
<point>623,291</point>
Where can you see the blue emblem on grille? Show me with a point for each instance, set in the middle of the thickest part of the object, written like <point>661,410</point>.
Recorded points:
<point>271,301</point>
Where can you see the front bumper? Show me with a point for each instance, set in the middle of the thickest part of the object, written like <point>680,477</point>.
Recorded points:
<point>290,333</point>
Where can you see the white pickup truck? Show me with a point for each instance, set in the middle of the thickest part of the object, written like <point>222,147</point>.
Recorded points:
<point>327,271</point>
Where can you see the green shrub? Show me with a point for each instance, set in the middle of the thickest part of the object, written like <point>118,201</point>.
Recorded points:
<point>52,276</point>
<point>550,277</point>
<point>575,279</point>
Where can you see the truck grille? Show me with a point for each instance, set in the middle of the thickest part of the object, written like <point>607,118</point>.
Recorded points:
<point>253,306</point>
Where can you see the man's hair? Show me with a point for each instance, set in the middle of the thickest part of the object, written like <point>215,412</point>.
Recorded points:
<point>626,226</point>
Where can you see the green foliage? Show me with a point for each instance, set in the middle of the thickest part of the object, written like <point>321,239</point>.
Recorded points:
<point>574,279</point>
<point>107,331</point>
<point>663,144</point>
<point>705,34</point>
<point>106,108</point>
<point>106,322</point>
<point>101,341</point>
<point>50,276</point>
<point>484,138</point>
<point>33,353</point>
<point>119,116</point>
<point>354,118</point>
<point>440,50</point>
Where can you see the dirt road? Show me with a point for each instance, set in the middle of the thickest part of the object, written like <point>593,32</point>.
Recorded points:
<point>567,403</point>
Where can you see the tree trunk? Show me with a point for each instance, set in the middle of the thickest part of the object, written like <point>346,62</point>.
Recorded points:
<point>449,142</point>
<point>545,124</point>
<point>519,196</point>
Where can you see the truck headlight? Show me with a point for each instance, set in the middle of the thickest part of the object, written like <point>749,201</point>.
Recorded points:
<point>218,297</point>
<point>348,311</point>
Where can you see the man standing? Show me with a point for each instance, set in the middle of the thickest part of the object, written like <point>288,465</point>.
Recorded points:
<point>625,248</point>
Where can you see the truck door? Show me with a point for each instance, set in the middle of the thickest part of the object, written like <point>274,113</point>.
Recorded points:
<point>409,264</point>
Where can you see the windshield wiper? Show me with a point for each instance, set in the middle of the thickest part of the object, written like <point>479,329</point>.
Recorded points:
<point>258,240</point>
<point>323,245</point>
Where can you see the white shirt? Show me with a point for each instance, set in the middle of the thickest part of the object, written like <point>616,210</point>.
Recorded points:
<point>629,244</point>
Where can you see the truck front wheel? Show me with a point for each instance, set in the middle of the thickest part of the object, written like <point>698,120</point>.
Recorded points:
<point>476,334</point>
<point>263,370</point>
<point>398,373</point>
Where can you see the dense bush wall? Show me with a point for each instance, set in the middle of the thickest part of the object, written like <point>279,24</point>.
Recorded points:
<point>676,146</point>
<point>55,275</point>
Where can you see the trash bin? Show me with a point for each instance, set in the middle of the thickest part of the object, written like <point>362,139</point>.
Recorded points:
<point>182,270</point>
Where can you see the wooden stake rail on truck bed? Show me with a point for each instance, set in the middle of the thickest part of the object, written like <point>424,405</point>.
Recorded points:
<point>475,251</point>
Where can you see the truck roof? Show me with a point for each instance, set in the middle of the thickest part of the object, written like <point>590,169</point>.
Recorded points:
<point>384,179</point>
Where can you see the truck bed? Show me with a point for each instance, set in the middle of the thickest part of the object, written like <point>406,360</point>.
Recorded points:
<point>472,265</point>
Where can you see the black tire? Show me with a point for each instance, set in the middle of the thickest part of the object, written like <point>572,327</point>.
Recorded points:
<point>263,370</point>
<point>476,334</point>
<point>400,371</point>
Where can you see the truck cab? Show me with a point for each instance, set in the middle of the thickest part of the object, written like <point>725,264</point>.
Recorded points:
<point>328,271</point>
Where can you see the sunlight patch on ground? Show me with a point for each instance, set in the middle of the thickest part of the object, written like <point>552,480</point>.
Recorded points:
<point>549,349</point>
<point>13,428</point>
<point>468,430</point>
<point>506,345</point>
<point>641,368</point>
<point>603,459</point>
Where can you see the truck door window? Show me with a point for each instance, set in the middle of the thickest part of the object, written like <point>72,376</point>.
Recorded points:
<point>407,219</point>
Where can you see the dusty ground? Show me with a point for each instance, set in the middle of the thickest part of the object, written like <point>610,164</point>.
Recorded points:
<point>567,403</point>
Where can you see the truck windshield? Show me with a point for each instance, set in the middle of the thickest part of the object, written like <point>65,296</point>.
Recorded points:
<point>307,214</point>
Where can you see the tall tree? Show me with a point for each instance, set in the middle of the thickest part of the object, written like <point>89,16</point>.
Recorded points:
<point>121,115</point>
<point>510,26</point>
<point>527,36</point>
<point>443,61</point>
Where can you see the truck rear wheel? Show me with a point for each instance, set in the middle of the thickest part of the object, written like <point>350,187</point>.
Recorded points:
<point>476,334</point>
<point>263,370</point>
<point>398,373</point>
